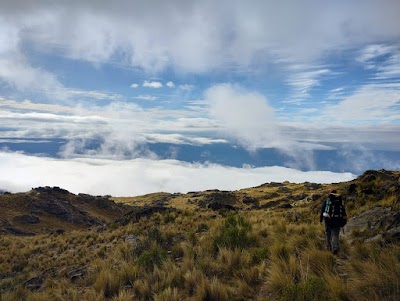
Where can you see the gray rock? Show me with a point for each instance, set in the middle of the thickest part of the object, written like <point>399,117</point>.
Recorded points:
<point>382,219</point>
<point>27,219</point>
<point>133,240</point>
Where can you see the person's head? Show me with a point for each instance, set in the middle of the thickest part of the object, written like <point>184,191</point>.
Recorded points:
<point>333,191</point>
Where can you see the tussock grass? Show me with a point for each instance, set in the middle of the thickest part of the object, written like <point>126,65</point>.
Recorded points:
<point>199,255</point>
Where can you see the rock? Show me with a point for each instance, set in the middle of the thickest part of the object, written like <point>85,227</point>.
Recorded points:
<point>316,197</point>
<point>283,189</point>
<point>376,238</point>
<point>270,204</point>
<point>285,206</point>
<point>132,240</point>
<point>48,189</point>
<point>27,219</point>
<point>312,186</point>
<point>217,200</point>
<point>219,206</point>
<point>300,196</point>
<point>382,219</point>
<point>34,284</point>
<point>394,233</point>
<point>248,200</point>
<point>62,209</point>
<point>272,184</point>
<point>74,272</point>
<point>103,203</point>
<point>254,207</point>
<point>18,231</point>
<point>77,272</point>
<point>135,214</point>
<point>57,231</point>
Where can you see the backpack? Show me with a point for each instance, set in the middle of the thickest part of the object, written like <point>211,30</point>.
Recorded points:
<point>334,210</point>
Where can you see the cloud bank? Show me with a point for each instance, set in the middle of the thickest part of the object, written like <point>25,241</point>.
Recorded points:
<point>140,176</point>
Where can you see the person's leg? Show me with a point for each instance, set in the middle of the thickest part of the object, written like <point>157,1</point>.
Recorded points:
<point>335,240</point>
<point>328,237</point>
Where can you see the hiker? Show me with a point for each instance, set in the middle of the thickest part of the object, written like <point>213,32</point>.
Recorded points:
<point>333,213</point>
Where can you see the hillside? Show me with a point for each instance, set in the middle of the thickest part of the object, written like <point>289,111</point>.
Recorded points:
<point>260,243</point>
<point>52,209</point>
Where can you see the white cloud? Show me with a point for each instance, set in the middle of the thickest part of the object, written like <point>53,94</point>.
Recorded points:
<point>186,87</point>
<point>303,79</point>
<point>146,97</point>
<point>244,115</point>
<point>383,59</point>
<point>371,52</point>
<point>141,176</point>
<point>373,103</point>
<point>134,85</point>
<point>206,35</point>
<point>170,84</point>
<point>152,84</point>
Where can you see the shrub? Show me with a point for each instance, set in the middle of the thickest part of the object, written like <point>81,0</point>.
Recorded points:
<point>313,288</point>
<point>155,256</point>
<point>235,233</point>
<point>202,228</point>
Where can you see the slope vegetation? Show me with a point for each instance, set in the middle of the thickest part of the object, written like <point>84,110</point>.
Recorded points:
<point>261,243</point>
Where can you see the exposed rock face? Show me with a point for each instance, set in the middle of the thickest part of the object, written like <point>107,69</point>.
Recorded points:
<point>312,186</point>
<point>64,210</point>
<point>49,209</point>
<point>377,219</point>
<point>135,214</point>
<point>27,219</point>
<point>219,200</point>
<point>248,200</point>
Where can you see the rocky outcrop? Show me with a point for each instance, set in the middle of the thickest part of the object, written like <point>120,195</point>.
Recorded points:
<point>135,214</point>
<point>217,200</point>
<point>27,219</point>
<point>62,209</point>
<point>375,224</point>
<point>48,209</point>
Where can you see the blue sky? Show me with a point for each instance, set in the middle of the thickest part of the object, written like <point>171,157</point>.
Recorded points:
<point>302,78</point>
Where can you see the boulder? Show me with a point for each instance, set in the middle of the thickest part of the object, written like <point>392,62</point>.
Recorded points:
<point>248,200</point>
<point>377,219</point>
<point>219,200</point>
<point>132,240</point>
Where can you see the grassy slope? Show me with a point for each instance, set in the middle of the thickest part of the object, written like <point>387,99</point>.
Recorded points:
<point>195,254</point>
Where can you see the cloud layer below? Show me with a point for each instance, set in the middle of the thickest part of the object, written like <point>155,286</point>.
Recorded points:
<point>140,176</point>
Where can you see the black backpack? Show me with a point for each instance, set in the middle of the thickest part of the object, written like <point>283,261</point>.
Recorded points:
<point>334,210</point>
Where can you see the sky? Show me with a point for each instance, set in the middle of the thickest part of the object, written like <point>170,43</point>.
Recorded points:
<point>163,95</point>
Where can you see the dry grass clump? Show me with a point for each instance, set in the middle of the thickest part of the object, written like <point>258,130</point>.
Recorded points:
<point>375,275</point>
